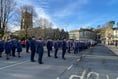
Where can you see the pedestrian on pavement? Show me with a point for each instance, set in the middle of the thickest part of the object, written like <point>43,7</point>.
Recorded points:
<point>1,47</point>
<point>27,45</point>
<point>56,47</point>
<point>40,50</point>
<point>19,48</point>
<point>64,47</point>
<point>8,48</point>
<point>33,48</point>
<point>49,46</point>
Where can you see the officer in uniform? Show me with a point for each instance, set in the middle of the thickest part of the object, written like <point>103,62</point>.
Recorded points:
<point>1,47</point>
<point>40,50</point>
<point>33,49</point>
<point>19,47</point>
<point>68,46</point>
<point>64,47</point>
<point>49,47</point>
<point>27,45</point>
<point>14,45</point>
<point>8,48</point>
<point>56,47</point>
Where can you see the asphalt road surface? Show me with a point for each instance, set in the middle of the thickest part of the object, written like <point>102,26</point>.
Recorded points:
<point>22,68</point>
<point>94,63</point>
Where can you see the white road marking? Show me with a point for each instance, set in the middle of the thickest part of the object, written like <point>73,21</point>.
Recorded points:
<point>13,65</point>
<point>77,76</point>
<point>95,73</point>
<point>107,76</point>
<point>70,67</point>
<point>78,59</point>
<point>57,78</point>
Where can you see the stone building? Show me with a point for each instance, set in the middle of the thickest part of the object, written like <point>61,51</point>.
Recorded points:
<point>87,35</point>
<point>74,34</point>
<point>26,20</point>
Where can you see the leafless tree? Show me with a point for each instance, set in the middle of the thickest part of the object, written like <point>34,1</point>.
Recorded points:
<point>6,12</point>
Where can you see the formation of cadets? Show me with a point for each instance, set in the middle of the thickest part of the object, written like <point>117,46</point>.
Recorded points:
<point>33,45</point>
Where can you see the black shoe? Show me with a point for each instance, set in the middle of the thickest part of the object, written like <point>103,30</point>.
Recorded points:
<point>41,63</point>
<point>7,58</point>
<point>49,56</point>
<point>64,58</point>
<point>19,56</point>
<point>0,56</point>
<point>55,57</point>
<point>33,60</point>
<point>14,55</point>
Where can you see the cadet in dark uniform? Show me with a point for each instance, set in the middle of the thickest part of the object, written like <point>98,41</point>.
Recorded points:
<point>49,47</point>
<point>64,47</point>
<point>33,49</point>
<point>76,48</point>
<point>27,46</point>
<point>14,45</point>
<point>68,46</point>
<point>19,47</point>
<point>1,47</point>
<point>40,50</point>
<point>56,47</point>
<point>8,48</point>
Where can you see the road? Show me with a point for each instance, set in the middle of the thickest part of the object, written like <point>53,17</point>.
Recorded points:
<point>22,68</point>
<point>94,63</point>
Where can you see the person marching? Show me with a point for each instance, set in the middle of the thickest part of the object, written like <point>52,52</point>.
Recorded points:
<point>49,46</point>
<point>14,46</point>
<point>56,47</point>
<point>68,46</point>
<point>27,45</point>
<point>8,48</point>
<point>19,48</point>
<point>40,50</point>
<point>1,47</point>
<point>64,47</point>
<point>33,49</point>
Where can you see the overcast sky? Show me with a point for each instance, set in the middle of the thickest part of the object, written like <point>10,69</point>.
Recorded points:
<point>73,14</point>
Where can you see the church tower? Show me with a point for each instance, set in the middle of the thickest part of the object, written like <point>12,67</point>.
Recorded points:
<point>26,20</point>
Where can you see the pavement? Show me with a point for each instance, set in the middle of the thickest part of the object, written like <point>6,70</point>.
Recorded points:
<point>113,48</point>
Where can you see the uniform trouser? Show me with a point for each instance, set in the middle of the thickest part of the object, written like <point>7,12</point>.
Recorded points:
<point>40,57</point>
<point>27,49</point>
<point>68,49</point>
<point>13,51</point>
<point>18,53</point>
<point>55,54</point>
<point>48,52</point>
<point>76,50</point>
<point>0,53</point>
<point>32,55</point>
<point>63,53</point>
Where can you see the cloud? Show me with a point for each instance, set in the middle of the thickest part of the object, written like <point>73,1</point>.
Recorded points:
<point>13,28</point>
<point>71,8</point>
<point>40,8</point>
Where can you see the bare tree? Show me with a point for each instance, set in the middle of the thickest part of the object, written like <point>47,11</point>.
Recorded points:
<point>6,12</point>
